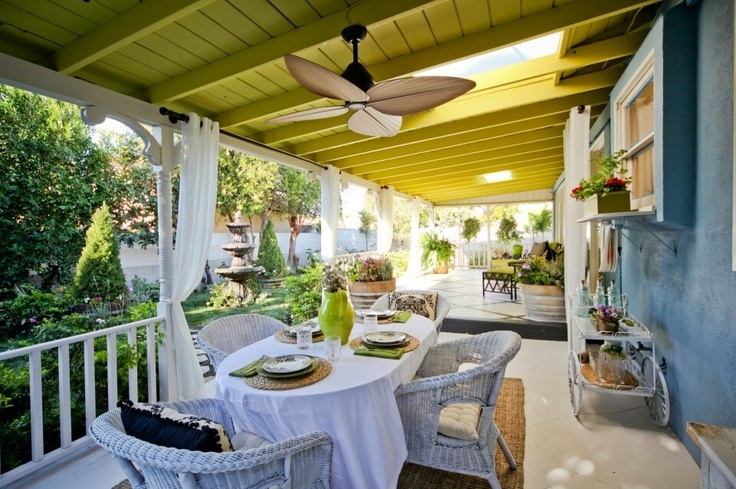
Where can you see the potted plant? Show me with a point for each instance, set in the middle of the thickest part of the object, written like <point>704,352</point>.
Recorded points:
<point>271,259</point>
<point>436,252</point>
<point>542,285</point>
<point>608,190</point>
<point>507,234</point>
<point>606,318</point>
<point>369,279</point>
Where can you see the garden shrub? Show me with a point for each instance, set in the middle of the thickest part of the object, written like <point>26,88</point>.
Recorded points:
<point>99,272</point>
<point>269,253</point>
<point>400,261</point>
<point>304,293</point>
<point>30,307</point>
<point>143,290</point>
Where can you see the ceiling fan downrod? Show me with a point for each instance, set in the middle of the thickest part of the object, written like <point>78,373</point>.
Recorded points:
<point>356,73</point>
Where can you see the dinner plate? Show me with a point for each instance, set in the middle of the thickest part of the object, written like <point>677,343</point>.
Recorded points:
<point>313,324</point>
<point>386,345</point>
<point>381,313</point>
<point>384,337</point>
<point>312,366</point>
<point>286,364</point>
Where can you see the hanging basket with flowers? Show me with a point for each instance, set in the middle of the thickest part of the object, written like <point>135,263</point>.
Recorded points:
<point>608,190</point>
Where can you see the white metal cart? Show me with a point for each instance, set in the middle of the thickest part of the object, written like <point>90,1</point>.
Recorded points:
<point>644,375</point>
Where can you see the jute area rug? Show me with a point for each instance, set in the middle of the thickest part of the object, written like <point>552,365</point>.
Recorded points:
<point>511,422</point>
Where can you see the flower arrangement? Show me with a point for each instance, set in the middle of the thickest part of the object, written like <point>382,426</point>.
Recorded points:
<point>606,318</point>
<point>605,181</point>
<point>371,270</point>
<point>539,271</point>
<point>333,279</point>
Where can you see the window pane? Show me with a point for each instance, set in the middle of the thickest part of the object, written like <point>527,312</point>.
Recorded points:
<point>641,169</point>
<point>640,115</point>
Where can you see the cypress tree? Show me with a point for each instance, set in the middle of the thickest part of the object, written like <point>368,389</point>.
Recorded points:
<point>269,254</point>
<point>99,272</point>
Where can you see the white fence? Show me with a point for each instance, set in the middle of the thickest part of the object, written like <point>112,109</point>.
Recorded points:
<point>33,353</point>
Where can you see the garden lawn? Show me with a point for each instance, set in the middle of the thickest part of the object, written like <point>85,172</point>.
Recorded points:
<point>198,313</point>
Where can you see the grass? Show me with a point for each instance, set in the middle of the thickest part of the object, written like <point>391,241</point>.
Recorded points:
<point>198,313</point>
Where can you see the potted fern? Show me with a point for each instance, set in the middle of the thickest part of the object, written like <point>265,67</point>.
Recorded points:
<point>436,253</point>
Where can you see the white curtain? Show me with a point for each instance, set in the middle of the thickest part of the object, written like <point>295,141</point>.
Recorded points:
<point>415,249</point>
<point>608,241</point>
<point>330,200</point>
<point>385,220</point>
<point>577,154</point>
<point>197,195</point>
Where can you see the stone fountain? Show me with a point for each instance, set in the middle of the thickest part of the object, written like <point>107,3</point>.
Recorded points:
<point>240,270</point>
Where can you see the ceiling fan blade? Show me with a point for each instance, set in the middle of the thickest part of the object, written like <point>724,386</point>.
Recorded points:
<point>371,122</point>
<point>322,81</point>
<point>310,114</point>
<point>406,96</point>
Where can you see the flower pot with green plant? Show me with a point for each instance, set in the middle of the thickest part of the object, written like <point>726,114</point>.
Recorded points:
<point>541,285</point>
<point>507,234</point>
<point>369,279</point>
<point>608,190</point>
<point>436,252</point>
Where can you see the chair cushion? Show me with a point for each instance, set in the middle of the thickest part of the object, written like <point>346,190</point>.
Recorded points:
<point>460,421</point>
<point>245,441</point>
<point>167,427</point>
<point>539,249</point>
<point>422,304</point>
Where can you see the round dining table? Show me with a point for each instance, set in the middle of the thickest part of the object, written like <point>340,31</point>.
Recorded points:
<point>355,404</point>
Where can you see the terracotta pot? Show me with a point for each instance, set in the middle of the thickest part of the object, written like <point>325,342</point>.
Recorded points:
<point>605,326</point>
<point>543,302</point>
<point>364,294</point>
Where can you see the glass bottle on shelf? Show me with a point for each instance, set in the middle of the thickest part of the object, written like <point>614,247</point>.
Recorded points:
<point>582,294</point>
<point>614,298</point>
<point>600,293</point>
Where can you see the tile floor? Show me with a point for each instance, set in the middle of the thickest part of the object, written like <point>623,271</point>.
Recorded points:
<point>611,444</point>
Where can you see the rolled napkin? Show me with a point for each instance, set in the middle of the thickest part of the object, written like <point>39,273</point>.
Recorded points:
<point>392,353</point>
<point>249,370</point>
<point>401,317</point>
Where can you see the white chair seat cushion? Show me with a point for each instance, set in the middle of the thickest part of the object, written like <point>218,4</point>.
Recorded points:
<point>245,441</point>
<point>460,421</point>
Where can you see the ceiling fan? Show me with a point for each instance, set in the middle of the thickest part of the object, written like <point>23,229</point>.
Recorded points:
<point>377,107</point>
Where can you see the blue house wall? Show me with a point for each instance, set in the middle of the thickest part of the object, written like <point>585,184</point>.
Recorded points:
<point>686,297</point>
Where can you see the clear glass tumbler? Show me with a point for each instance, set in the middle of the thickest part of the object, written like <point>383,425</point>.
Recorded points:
<point>333,346</point>
<point>370,321</point>
<point>304,337</point>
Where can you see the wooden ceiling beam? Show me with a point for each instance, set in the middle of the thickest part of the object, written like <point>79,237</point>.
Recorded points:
<point>496,189</point>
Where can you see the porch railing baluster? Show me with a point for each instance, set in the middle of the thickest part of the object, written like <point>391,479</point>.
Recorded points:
<point>65,398</point>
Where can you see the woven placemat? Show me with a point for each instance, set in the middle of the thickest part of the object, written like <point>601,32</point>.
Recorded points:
<point>284,337</point>
<point>267,383</point>
<point>590,376</point>
<point>413,343</point>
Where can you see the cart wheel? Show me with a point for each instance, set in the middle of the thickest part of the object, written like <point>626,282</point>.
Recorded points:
<point>573,380</point>
<point>659,403</point>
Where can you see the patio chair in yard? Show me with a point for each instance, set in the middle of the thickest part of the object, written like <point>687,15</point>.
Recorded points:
<point>425,302</point>
<point>302,461</point>
<point>226,335</point>
<point>447,411</point>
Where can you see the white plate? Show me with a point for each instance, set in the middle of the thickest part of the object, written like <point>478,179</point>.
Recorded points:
<point>285,364</point>
<point>314,325</point>
<point>381,313</point>
<point>384,337</point>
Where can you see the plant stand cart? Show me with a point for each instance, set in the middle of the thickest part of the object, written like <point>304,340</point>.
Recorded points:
<point>644,377</point>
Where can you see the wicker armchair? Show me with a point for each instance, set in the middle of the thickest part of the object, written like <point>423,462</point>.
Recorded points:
<point>443,305</point>
<point>441,384</point>
<point>226,335</point>
<point>303,461</point>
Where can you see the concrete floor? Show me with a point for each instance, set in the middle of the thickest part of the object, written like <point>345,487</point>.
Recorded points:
<point>611,444</point>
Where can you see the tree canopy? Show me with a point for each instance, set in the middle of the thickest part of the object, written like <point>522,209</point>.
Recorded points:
<point>298,200</point>
<point>540,222</point>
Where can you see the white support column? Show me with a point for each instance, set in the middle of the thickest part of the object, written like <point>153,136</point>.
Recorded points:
<point>489,248</point>
<point>415,251</point>
<point>385,219</point>
<point>330,193</point>
<point>431,218</point>
<point>167,355</point>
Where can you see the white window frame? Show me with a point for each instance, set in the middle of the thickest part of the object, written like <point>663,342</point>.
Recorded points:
<point>641,77</point>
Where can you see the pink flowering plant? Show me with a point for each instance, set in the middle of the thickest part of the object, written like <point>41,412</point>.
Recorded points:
<point>611,177</point>
<point>607,314</point>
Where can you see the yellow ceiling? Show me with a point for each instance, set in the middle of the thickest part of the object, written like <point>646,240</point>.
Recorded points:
<point>224,59</point>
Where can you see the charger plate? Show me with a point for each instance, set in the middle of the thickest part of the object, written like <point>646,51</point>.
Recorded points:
<point>284,337</point>
<point>322,370</point>
<point>412,345</point>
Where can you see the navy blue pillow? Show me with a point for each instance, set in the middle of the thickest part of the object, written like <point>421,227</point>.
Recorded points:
<point>170,428</point>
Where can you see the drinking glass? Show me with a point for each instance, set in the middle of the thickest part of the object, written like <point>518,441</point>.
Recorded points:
<point>370,321</point>
<point>304,337</point>
<point>333,345</point>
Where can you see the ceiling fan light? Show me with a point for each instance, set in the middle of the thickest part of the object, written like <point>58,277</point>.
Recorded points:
<point>355,105</point>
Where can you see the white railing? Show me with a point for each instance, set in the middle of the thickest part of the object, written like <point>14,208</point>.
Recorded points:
<point>471,255</point>
<point>33,353</point>
<point>349,258</point>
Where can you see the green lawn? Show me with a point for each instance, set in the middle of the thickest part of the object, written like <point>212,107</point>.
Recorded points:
<point>198,313</point>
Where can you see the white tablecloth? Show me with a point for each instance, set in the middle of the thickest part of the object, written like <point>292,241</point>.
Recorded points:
<point>355,404</point>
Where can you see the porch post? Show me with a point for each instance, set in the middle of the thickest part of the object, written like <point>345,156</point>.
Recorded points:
<point>385,219</point>
<point>415,251</point>
<point>489,248</point>
<point>167,355</point>
<point>330,200</point>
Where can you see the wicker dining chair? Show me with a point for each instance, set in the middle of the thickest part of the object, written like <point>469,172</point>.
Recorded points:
<point>439,385</point>
<point>226,335</point>
<point>302,461</point>
<point>441,311</point>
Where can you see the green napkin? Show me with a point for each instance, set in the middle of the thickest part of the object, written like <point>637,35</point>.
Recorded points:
<point>392,353</point>
<point>249,370</point>
<point>401,317</point>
